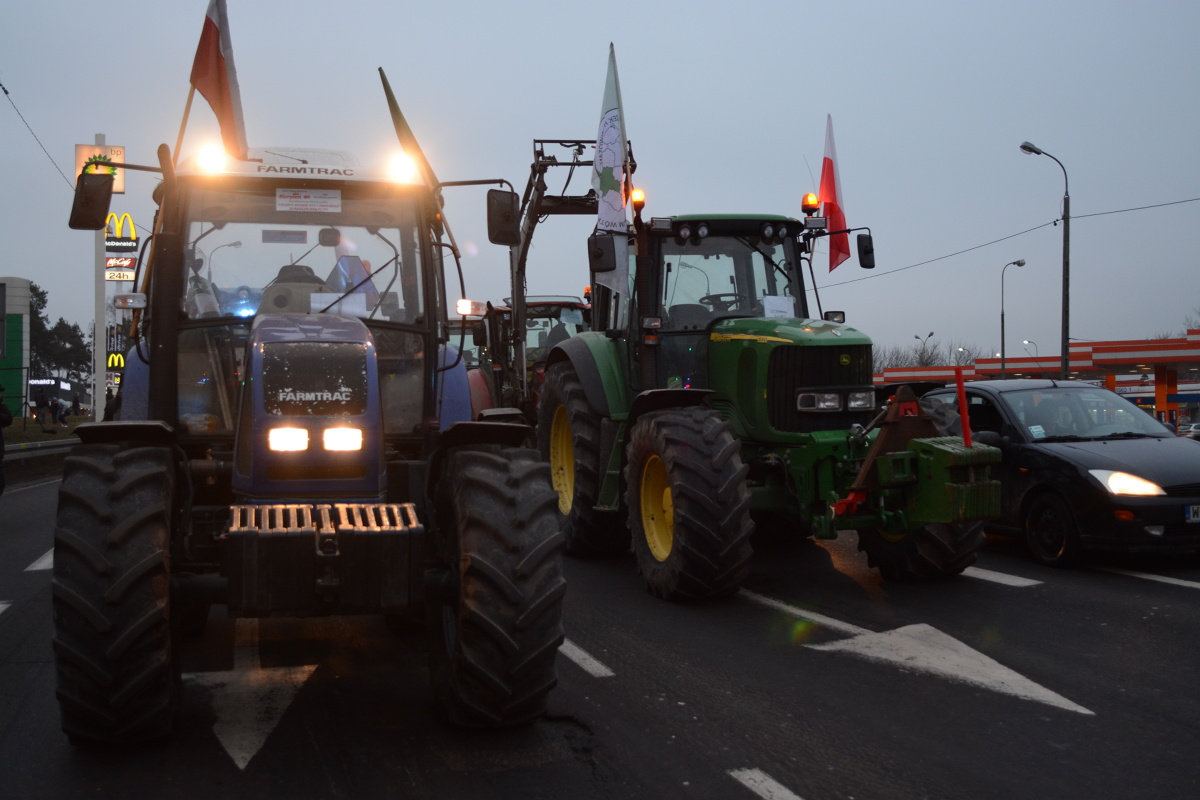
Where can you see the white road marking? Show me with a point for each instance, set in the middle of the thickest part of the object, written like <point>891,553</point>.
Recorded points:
<point>45,562</point>
<point>763,784</point>
<point>926,649</point>
<point>998,577</point>
<point>4,607</point>
<point>828,622</point>
<point>249,701</point>
<point>1151,577</point>
<point>585,661</point>
<point>12,489</point>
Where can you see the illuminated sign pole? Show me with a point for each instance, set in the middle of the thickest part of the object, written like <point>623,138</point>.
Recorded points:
<point>99,368</point>
<point>100,152</point>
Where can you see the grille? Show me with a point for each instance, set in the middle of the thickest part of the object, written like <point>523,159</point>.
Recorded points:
<point>793,367</point>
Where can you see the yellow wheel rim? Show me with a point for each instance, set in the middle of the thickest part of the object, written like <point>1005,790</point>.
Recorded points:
<point>562,460</point>
<point>658,512</point>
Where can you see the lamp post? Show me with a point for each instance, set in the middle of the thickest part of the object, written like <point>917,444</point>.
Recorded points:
<point>1035,347</point>
<point>1032,149</point>
<point>1020,262</point>
<point>921,356</point>
<point>213,255</point>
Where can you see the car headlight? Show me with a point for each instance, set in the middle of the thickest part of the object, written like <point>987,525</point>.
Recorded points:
<point>1117,482</point>
<point>287,440</point>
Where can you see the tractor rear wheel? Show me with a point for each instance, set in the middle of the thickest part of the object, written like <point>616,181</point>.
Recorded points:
<point>689,508</point>
<point>494,641</point>
<point>932,551</point>
<point>115,651</point>
<point>569,439</point>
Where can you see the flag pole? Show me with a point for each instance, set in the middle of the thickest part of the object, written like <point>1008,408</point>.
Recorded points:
<point>187,109</point>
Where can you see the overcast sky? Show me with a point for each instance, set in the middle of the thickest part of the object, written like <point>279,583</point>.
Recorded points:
<point>725,104</point>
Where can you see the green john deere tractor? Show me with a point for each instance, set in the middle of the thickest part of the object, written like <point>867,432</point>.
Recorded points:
<point>707,400</point>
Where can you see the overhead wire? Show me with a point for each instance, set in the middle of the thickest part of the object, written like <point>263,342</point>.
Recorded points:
<point>70,185</point>
<point>1005,238</point>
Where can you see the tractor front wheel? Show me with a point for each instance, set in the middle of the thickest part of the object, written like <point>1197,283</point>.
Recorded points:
<point>569,439</point>
<point>115,652</point>
<point>931,551</point>
<point>494,640</point>
<point>689,508</point>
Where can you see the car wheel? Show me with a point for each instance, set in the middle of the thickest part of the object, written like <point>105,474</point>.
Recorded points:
<point>1051,532</point>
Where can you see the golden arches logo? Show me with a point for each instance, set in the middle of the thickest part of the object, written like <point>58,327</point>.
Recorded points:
<point>116,361</point>
<point>118,224</point>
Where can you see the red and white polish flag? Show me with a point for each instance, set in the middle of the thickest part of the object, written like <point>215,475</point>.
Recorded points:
<point>214,76</point>
<point>831,200</point>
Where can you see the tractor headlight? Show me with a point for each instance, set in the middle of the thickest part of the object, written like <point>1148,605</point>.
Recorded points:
<point>342,438</point>
<point>860,401</point>
<point>819,401</point>
<point>1126,484</point>
<point>287,440</point>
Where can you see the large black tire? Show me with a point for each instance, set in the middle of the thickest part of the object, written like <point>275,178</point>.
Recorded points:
<point>569,440</point>
<point>689,508</point>
<point>1051,531</point>
<point>933,551</point>
<point>494,644</point>
<point>114,649</point>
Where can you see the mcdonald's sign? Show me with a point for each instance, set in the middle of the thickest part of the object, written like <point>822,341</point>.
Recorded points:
<point>116,360</point>
<point>114,227</point>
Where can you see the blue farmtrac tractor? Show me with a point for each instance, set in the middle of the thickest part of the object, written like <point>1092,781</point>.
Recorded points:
<point>293,437</point>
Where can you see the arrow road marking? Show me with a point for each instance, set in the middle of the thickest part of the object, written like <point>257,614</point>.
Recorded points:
<point>926,649</point>
<point>584,660</point>
<point>45,562</point>
<point>249,700</point>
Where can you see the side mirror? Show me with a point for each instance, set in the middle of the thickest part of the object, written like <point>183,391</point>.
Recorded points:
<point>503,217</point>
<point>866,251</point>
<point>93,195</point>
<point>835,316</point>
<point>990,438</point>
<point>329,237</point>
<point>478,334</point>
<point>602,252</point>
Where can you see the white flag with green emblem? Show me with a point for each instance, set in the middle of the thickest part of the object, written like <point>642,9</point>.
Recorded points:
<point>609,168</point>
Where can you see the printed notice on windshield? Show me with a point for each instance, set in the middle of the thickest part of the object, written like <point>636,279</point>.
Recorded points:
<point>321,200</point>
<point>778,306</point>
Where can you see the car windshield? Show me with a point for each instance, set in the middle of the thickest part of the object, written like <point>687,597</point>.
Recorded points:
<point>1063,413</point>
<point>352,250</point>
<point>727,276</point>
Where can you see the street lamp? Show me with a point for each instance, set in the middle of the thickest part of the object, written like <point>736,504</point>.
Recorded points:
<point>1020,262</point>
<point>1035,347</point>
<point>1032,149</point>
<point>923,340</point>
<point>213,255</point>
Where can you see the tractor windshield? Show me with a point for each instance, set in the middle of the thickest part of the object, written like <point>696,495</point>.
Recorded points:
<point>353,250</point>
<point>728,276</point>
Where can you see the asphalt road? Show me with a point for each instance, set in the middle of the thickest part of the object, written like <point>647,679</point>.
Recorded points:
<point>818,680</point>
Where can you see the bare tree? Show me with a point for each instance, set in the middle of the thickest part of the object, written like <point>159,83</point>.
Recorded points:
<point>963,354</point>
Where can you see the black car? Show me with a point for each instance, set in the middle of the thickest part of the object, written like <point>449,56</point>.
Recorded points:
<point>1083,469</point>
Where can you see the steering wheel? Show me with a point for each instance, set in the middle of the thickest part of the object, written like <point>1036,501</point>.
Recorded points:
<point>719,303</point>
